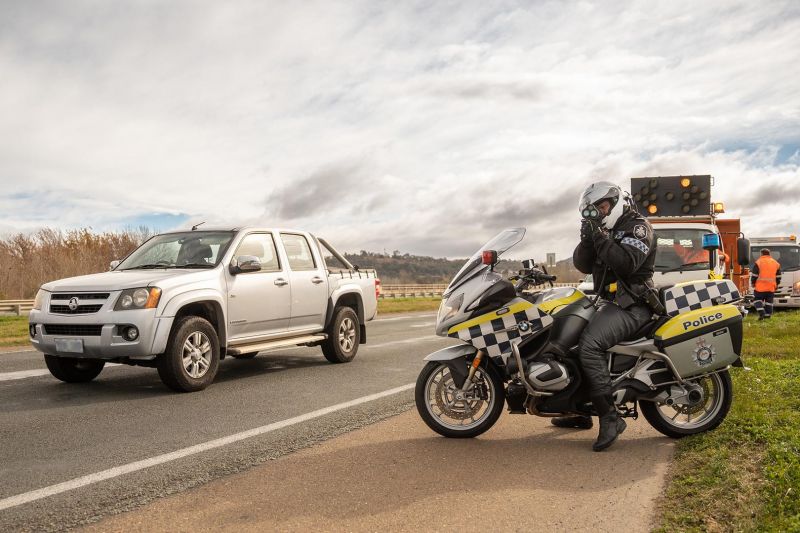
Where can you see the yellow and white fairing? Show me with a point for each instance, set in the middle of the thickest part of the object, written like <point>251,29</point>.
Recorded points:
<point>493,332</point>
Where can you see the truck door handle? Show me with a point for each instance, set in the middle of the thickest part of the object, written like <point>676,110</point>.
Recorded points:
<point>280,282</point>
<point>316,280</point>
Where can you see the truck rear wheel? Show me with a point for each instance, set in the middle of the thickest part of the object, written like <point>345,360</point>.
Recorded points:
<point>73,369</point>
<point>192,358</point>
<point>344,335</point>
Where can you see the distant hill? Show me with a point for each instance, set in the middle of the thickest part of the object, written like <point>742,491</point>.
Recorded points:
<point>410,269</point>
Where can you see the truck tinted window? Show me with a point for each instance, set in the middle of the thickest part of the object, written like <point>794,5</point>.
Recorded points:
<point>262,246</point>
<point>787,256</point>
<point>676,247</point>
<point>192,249</point>
<point>298,251</point>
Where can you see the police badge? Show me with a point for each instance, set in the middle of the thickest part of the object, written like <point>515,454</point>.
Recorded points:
<point>704,354</point>
<point>640,232</point>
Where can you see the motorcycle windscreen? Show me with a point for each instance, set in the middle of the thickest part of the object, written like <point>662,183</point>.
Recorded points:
<point>501,243</point>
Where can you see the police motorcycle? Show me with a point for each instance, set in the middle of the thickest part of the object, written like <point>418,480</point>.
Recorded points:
<point>519,349</point>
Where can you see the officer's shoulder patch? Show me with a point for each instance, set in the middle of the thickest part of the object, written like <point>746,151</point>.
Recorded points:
<point>619,235</point>
<point>640,231</point>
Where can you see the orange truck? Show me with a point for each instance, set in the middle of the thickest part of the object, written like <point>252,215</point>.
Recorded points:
<point>692,240</point>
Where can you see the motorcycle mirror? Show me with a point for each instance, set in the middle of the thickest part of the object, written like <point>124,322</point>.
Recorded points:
<point>489,257</point>
<point>528,264</point>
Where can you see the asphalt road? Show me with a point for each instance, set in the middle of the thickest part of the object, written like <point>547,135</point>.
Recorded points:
<point>74,453</point>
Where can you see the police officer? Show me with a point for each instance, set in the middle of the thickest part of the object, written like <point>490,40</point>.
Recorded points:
<point>765,277</point>
<point>617,247</point>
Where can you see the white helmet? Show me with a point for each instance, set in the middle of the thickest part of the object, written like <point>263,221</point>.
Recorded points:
<point>597,192</point>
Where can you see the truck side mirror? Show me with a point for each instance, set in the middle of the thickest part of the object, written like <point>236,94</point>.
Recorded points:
<point>743,251</point>
<point>114,264</point>
<point>245,263</point>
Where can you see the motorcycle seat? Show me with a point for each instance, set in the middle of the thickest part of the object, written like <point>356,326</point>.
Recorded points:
<point>646,331</point>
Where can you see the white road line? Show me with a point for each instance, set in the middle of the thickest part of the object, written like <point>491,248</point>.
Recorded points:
<point>117,471</point>
<point>21,350</point>
<point>22,374</point>
<point>404,341</point>
<point>404,317</point>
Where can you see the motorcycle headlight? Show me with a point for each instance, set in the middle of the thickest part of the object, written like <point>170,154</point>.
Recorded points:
<point>39,300</point>
<point>142,298</point>
<point>449,308</point>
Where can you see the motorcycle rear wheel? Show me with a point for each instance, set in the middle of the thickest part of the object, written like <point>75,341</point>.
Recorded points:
<point>435,398</point>
<point>678,422</point>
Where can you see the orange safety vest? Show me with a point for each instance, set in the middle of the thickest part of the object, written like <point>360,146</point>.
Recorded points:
<point>767,274</point>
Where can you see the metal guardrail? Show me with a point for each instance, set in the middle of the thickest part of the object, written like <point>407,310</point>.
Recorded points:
<point>422,291</point>
<point>20,307</point>
<point>15,307</point>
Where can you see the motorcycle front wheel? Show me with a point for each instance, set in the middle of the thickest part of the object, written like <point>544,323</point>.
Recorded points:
<point>679,421</point>
<point>453,413</point>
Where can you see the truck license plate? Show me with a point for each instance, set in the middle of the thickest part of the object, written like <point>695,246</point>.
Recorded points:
<point>69,345</point>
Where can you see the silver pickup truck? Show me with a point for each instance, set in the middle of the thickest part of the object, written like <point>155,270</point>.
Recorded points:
<point>183,301</point>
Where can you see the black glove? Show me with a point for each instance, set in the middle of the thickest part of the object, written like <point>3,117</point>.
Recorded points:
<point>586,231</point>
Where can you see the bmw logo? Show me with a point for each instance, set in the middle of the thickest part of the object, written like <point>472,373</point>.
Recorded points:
<point>73,304</point>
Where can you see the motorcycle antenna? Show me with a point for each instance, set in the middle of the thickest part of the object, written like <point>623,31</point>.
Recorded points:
<point>194,228</point>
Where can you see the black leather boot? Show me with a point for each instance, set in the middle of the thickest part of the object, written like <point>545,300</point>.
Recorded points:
<point>573,421</point>
<point>611,427</point>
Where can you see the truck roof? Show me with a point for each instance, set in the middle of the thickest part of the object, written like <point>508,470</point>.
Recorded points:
<point>236,229</point>
<point>791,239</point>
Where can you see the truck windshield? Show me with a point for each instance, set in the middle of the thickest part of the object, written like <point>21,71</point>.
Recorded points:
<point>680,249</point>
<point>787,255</point>
<point>191,249</point>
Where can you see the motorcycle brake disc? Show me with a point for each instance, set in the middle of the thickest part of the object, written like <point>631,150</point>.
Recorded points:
<point>455,409</point>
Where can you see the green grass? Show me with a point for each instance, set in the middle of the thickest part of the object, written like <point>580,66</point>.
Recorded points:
<point>13,331</point>
<point>407,305</point>
<point>745,475</point>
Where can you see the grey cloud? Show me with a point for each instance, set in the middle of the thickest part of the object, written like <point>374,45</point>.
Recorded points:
<point>323,189</point>
<point>769,194</point>
<point>487,89</point>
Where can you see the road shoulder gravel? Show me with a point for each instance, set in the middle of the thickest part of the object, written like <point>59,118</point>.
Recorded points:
<point>397,475</point>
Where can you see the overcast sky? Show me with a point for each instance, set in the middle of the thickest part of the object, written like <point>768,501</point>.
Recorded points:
<point>424,127</point>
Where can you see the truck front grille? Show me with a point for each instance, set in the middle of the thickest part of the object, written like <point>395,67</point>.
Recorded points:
<point>82,330</point>
<point>83,308</point>
<point>80,310</point>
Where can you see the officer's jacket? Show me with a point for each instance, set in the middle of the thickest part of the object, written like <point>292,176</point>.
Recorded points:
<point>766,274</point>
<point>626,253</point>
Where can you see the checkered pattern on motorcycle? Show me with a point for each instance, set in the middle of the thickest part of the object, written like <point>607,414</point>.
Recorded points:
<point>699,294</point>
<point>489,337</point>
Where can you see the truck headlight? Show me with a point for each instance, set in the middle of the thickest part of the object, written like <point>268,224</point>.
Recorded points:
<point>39,300</point>
<point>796,289</point>
<point>141,298</point>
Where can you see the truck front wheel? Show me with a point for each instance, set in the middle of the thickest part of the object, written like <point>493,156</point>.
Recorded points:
<point>73,369</point>
<point>344,335</point>
<point>192,357</point>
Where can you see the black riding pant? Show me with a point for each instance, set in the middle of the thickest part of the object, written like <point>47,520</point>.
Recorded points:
<point>610,325</point>
<point>763,302</point>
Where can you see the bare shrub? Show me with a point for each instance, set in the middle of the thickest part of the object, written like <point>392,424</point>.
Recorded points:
<point>28,261</point>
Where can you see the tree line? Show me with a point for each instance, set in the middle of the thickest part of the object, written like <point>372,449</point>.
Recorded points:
<point>29,260</point>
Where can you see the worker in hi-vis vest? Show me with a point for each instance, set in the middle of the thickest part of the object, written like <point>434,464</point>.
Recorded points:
<point>765,277</point>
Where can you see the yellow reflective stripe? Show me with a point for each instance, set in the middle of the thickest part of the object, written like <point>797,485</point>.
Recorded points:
<point>699,318</point>
<point>488,317</point>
